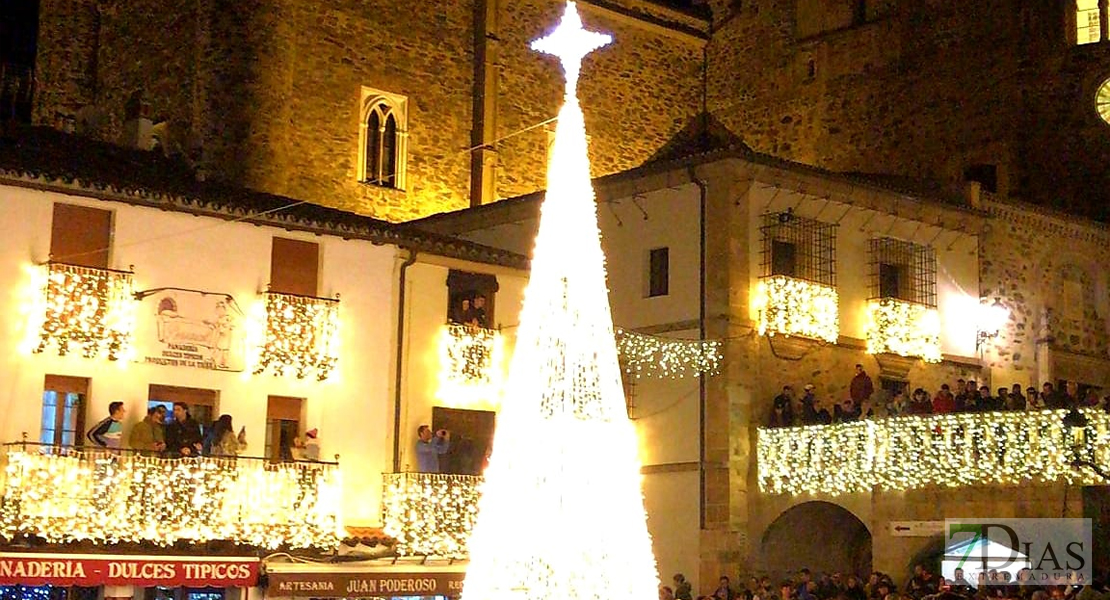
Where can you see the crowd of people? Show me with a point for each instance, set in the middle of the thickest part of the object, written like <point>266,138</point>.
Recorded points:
<point>182,436</point>
<point>924,584</point>
<point>788,409</point>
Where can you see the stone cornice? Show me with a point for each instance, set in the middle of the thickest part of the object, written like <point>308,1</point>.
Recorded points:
<point>1049,221</point>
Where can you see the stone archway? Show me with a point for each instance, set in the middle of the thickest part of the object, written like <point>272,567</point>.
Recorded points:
<point>821,536</point>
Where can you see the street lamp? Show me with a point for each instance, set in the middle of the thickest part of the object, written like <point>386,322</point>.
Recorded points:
<point>1075,423</point>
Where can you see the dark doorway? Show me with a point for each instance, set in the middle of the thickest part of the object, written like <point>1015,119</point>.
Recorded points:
<point>821,536</point>
<point>471,438</point>
<point>1096,507</point>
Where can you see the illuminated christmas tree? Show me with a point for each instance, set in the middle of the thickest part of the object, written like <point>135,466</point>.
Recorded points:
<point>561,515</point>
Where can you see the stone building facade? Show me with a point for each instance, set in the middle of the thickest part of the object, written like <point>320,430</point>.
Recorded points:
<point>999,92</point>
<point>711,211</point>
<point>267,93</point>
<point>1047,269</point>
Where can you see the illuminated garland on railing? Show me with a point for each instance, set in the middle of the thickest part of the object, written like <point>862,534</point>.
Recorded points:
<point>429,513</point>
<point>903,328</point>
<point>791,306</point>
<point>87,309</point>
<point>302,336</point>
<point>111,498</point>
<point>470,363</point>
<point>668,358</point>
<point>905,453</point>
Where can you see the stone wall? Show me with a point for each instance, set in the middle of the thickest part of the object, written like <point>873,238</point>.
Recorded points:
<point>272,87</point>
<point>921,89</point>
<point>1049,270</point>
<point>896,555</point>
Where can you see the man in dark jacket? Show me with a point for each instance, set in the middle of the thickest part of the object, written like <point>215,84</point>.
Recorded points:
<point>183,436</point>
<point>861,387</point>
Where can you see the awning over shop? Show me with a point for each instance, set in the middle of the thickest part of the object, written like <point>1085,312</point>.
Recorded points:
<point>341,581</point>
<point>142,571</point>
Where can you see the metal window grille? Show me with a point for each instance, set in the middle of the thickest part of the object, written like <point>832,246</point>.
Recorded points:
<point>903,270</point>
<point>799,247</point>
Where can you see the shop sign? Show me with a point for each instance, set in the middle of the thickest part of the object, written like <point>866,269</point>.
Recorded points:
<point>30,569</point>
<point>365,584</point>
<point>186,328</point>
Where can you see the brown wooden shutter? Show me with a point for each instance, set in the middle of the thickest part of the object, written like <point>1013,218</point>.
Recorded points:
<point>283,408</point>
<point>80,235</point>
<point>294,267</point>
<point>64,384</point>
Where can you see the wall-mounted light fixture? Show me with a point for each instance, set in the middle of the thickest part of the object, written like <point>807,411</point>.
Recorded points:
<point>991,319</point>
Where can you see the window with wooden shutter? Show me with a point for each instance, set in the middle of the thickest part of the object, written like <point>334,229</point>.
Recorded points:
<point>80,235</point>
<point>294,267</point>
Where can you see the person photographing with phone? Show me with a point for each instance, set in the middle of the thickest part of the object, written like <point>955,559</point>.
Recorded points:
<point>430,447</point>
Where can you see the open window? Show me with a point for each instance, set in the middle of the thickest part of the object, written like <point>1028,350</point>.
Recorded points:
<point>470,298</point>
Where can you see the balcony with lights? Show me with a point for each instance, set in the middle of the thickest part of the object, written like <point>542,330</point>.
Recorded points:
<point>65,494</point>
<point>302,336</point>
<point>949,450</point>
<point>797,307</point>
<point>430,514</point>
<point>84,310</point>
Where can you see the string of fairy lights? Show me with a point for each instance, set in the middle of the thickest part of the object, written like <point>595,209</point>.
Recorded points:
<point>643,355</point>
<point>430,514</point>
<point>302,336</point>
<point>92,311</point>
<point>906,453</point>
<point>790,306</point>
<point>86,310</point>
<point>109,498</point>
<point>903,328</point>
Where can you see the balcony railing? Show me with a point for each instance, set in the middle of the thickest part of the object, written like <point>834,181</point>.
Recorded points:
<point>430,514</point>
<point>63,494</point>
<point>951,450</point>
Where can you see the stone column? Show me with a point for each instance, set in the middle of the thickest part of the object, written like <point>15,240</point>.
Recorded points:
<point>483,132</point>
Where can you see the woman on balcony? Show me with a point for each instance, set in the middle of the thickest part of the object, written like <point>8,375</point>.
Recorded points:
<point>223,441</point>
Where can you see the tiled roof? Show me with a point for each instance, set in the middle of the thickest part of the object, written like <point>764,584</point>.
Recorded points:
<point>367,536</point>
<point>44,158</point>
<point>705,140</point>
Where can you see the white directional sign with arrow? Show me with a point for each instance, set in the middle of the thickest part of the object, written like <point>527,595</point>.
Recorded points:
<point>916,528</point>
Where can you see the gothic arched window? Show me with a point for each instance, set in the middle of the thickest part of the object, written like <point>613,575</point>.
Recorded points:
<point>383,139</point>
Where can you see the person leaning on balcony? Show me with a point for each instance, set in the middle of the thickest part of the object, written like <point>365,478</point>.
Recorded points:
<point>183,437</point>
<point>223,441</point>
<point>429,447</point>
<point>861,387</point>
<point>147,436</point>
<point>109,432</point>
<point>944,402</point>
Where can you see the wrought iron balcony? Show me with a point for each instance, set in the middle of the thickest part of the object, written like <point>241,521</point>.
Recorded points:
<point>63,494</point>
<point>430,514</point>
<point>950,450</point>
